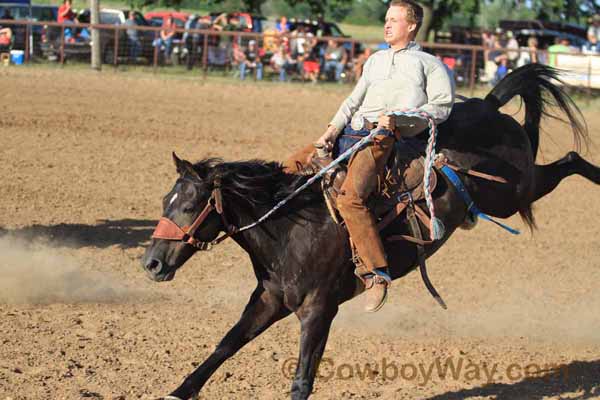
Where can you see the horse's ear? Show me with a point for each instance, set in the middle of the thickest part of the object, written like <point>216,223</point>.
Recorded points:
<point>178,164</point>
<point>184,167</point>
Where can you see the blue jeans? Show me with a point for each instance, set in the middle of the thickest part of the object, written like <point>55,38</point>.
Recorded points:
<point>165,43</point>
<point>338,66</point>
<point>134,48</point>
<point>259,71</point>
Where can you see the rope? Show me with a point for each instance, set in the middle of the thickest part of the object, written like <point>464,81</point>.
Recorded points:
<point>357,146</point>
<point>436,226</point>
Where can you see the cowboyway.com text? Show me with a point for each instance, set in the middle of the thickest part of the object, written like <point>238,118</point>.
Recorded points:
<point>455,368</point>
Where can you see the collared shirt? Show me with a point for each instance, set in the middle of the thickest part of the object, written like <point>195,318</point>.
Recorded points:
<point>131,33</point>
<point>393,80</point>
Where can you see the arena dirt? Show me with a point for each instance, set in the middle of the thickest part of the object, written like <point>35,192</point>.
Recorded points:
<point>86,159</point>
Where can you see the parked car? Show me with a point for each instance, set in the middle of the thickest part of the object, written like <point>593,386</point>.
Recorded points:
<point>30,13</point>
<point>80,46</point>
<point>545,32</point>
<point>157,18</point>
<point>324,28</point>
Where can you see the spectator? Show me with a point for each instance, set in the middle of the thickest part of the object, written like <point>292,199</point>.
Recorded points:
<point>166,37</point>
<point>488,41</point>
<point>593,34</point>
<point>65,13</point>
<point>5,38</point>
<point>6,14</point>
<point>238,57</point>
<point>193,40</point>
<point>281,62</point>
<point>252,61</point>
<point>498,67</point>
<point>335,59</point>
<point>300,48</point>
<point>310,64</point>
<point>282,26</point>
<point>133,40</point>
<point>512,44</point>
<point>298,40</point>
<point>531,56</point>
<point>561,45</point>
<point>226,22</point>
<point>67,16</point>
<point>360,62</point>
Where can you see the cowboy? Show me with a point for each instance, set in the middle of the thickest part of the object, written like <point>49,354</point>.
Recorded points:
<point>401,77</point>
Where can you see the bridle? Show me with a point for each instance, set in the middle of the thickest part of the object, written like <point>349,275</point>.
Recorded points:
<point>169,230</point>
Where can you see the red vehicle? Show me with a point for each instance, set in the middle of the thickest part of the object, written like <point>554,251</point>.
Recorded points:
<point>156,18</point>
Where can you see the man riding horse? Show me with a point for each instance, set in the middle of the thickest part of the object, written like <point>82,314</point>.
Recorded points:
<point>401,77</point>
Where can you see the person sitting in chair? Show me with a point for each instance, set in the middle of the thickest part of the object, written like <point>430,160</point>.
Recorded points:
<point>5,38</point>
<point>398,78</point>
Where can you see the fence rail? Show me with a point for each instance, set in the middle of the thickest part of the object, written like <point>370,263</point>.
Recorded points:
<point>207,48</point>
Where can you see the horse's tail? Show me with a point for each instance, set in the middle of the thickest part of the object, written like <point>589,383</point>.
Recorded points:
<point>538,86</point>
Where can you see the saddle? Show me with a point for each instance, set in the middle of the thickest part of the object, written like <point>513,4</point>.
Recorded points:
<point>401,186</point>
<point>402,180</point>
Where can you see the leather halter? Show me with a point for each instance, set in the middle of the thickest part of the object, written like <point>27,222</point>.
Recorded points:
<point>169,230</point>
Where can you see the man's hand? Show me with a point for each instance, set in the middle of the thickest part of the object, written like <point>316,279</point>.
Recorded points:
<point>386,122</point>
<point>328,138</point>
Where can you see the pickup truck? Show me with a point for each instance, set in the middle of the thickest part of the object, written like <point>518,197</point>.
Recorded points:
<point>79,45</point>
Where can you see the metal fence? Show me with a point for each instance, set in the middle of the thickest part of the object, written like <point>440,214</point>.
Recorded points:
<point>216,50</point>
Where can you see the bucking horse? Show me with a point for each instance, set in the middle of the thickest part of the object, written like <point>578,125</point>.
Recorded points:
<point>302,257</point>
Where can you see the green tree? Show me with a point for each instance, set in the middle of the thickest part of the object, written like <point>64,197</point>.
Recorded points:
<point>436,12</point>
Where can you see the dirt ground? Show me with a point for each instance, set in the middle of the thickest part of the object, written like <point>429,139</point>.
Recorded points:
<point>86,159</point>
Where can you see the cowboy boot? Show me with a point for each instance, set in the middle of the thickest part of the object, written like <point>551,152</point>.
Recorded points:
<point>376,287</point>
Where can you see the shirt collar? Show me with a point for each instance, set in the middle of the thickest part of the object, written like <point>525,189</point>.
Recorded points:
<point>412,45</point>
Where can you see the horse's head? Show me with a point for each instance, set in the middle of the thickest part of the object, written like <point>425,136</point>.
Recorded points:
<point>190,221</point>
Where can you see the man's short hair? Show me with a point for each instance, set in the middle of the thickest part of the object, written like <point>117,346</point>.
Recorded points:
<point>414,12</point>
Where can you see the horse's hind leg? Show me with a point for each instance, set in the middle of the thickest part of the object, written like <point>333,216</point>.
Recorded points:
<point>315,319</point>
<point>261,312</point>
<point>547,177</point>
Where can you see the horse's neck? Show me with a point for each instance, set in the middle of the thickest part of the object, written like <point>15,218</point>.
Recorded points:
<point>266,241</point>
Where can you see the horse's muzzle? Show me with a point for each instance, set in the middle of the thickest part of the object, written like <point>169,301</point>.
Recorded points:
<point>156,270</point>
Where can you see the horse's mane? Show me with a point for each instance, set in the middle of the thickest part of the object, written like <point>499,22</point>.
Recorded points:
<point>255,182</point>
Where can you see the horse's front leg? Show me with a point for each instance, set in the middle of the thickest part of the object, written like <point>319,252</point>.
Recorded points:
<point>315,319</point>
<point>263,309</point>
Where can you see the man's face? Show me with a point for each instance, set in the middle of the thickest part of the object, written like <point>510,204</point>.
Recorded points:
<point>397,30</point>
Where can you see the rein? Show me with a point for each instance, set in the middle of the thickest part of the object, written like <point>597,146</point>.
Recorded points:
<point>167,229</point>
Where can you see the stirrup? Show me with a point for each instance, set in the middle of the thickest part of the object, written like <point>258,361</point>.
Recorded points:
<point>378,274</point>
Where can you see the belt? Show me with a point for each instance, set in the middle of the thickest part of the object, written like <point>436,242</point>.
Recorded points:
<point>367,125</point>
<point>362,123</point>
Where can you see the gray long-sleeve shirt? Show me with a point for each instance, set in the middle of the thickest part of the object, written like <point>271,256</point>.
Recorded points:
<point>393,80</point>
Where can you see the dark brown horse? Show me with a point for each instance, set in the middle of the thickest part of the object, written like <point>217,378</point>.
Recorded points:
<point>301,257</point>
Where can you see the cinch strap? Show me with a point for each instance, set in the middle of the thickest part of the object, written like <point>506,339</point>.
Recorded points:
<point>471,207</point>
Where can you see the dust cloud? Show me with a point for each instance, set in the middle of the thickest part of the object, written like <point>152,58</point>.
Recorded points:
<point>519,311</point>
<point>38,274</point>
